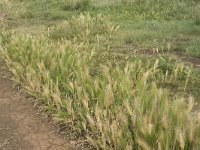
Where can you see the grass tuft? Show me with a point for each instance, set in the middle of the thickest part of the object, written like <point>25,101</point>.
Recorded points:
<point>197,15</point>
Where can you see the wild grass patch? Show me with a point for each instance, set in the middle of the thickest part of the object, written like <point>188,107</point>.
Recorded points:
<point>115,102</point>
<point>85,28</point>
<point>121,107</point>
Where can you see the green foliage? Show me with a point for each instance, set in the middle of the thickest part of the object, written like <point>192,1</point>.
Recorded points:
<point>154,9</point>
<point>82,4</point>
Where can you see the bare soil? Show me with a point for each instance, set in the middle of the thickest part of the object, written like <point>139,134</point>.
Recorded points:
<point>2,16</point>
<point>21,128</point>
<point>191,60</point>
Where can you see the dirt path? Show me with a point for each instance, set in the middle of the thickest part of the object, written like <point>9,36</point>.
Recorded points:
<point>188,59</point>
<point>20,126</point>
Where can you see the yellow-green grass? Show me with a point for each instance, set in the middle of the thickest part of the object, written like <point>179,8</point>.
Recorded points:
<point>118,108</point>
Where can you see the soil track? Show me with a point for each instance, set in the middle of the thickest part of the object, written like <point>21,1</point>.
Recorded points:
<point>191,60</point>
<point>20,126</point>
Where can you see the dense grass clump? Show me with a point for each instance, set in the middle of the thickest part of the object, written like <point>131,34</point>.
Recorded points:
<point>85,28</point>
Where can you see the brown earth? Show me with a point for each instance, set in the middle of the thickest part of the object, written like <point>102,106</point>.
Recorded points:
<point>188,59</point>
<point>2,16</point>
<point>21,128</point>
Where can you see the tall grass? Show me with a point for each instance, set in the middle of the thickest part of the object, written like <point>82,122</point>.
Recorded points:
<point>85,28</point>
<point>95,33</point>
<point>7,5</point>
<point>120,107</point>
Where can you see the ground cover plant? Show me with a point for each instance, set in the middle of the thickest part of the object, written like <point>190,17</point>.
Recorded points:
<point>77,65</point>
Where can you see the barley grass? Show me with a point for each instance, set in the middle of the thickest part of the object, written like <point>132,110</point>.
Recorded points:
<point>115,105</point>
<point>118,108</point>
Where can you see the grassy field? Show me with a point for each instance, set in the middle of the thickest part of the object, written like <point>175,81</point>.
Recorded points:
<point>111,69</point>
